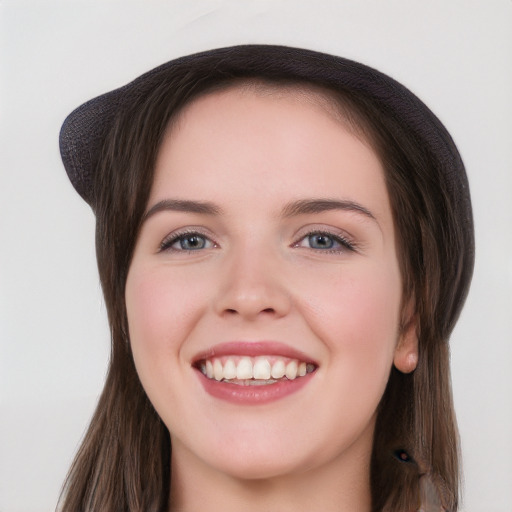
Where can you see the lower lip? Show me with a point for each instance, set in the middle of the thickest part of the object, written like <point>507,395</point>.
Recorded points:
<point>253,395</point>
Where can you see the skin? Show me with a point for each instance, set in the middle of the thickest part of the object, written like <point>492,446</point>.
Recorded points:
<point>258,277</point>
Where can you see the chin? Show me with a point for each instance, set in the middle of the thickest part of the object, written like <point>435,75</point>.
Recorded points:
<point>258,468</point>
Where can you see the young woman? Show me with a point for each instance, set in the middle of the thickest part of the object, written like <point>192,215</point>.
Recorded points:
<point>285,242</point>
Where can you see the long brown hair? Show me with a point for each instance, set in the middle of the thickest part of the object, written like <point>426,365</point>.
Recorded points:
<point>123,463</point>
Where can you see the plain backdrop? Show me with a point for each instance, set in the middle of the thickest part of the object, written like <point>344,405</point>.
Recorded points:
<point>54,342</point>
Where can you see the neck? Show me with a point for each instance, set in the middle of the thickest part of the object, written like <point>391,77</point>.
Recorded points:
<point>339,485</point>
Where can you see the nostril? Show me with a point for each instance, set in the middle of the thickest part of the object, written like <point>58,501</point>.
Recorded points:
<point>249,303</point>
<point>234,311</point>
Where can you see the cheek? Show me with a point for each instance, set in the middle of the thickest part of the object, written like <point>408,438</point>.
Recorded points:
<point>160,304</point>
<point>373,312</point>
<point>356,313</point>
<point>160,312</point>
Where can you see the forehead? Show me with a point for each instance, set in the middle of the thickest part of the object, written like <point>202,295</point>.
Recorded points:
<point>334,104</point>
<point>251,148</point>
<point>287,121</point>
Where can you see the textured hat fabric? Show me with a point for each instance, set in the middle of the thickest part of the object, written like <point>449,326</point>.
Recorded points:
<point>84,130</point>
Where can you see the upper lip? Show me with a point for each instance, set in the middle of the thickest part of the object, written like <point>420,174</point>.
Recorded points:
<point>253,349</point>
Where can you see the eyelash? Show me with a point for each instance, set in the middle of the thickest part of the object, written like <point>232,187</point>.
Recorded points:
<point>344,243</point>
<point>174,238</point>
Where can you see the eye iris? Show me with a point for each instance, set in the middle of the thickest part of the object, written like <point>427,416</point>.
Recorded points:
<point>192,242</point>
<point>320,241</point>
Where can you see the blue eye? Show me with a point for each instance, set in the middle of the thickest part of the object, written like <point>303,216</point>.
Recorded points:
<point>191,242</point>
<point>186,242</point>
<point>328,242</point>
<point>321,241</point>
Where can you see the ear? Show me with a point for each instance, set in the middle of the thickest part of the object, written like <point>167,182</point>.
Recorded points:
<point>406,351</point>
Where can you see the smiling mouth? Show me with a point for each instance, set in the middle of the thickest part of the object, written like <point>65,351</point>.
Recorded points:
<point>254,371</point>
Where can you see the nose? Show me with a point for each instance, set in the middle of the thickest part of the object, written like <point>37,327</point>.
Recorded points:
<point>252,286</point>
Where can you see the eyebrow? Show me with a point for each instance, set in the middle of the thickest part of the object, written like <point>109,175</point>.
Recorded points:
<point>305,206</point>
<point>292,209</point>
<point>183,205</point>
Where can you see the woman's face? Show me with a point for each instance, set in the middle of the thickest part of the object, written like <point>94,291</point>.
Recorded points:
<point>264,294</point>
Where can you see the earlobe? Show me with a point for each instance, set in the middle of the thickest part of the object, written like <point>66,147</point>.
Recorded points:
<point>406,351</point>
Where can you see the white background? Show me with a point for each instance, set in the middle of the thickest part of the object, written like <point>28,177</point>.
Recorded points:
<point>54,343</point>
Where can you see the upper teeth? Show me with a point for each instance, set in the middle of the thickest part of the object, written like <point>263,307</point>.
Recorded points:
<point>260,368</point>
